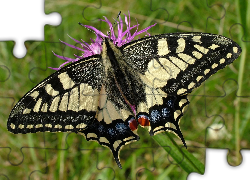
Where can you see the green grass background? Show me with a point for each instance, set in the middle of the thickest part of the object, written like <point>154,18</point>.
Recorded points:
<point>222,100</point>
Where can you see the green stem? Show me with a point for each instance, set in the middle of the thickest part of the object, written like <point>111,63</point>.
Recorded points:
<point>237,108</point>
<point>242,9</point>
<point>32,151</point>
<point>180,154</point>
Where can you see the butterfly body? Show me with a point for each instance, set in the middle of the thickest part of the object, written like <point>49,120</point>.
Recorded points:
<point>105,97</point>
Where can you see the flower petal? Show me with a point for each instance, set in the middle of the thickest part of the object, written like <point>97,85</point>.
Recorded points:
<point>95,47</point>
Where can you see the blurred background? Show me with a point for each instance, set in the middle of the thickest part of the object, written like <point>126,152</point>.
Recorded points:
<point>217,117</point>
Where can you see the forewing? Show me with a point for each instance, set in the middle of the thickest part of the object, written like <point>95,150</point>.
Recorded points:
<point>65,101</point>
<point>179,62</point>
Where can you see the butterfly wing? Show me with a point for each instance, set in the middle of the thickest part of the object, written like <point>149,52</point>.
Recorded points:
<point>70,93</point>
<point>179,62</point>
<point>171,66</point>
<point>75,99</point>
<point>99,96</point>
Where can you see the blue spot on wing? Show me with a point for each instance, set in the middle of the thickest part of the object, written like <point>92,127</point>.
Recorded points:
<point>165,112</point>
<point>155,116</point>
<point>121,128</point>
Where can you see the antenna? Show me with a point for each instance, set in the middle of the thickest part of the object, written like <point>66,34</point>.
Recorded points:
<point>114,24</point>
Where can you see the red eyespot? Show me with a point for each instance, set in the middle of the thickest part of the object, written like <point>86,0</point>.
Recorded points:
<point>133,124</point>
<point>143,120</point>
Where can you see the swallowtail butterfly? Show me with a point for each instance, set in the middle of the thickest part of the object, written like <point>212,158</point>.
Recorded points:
<point>105,97</point>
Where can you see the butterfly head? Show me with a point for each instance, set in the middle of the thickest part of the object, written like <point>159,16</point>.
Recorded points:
<point>118,37</point>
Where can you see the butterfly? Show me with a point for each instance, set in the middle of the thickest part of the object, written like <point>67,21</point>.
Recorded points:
<point>106,96</point>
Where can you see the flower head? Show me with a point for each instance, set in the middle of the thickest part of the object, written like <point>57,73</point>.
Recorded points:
<point>95,47</point>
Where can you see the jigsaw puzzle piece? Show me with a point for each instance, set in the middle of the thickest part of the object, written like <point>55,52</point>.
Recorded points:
<point>220,119</point>
<point>242,69</point>
<point>89,159</point>
<point>222,129</point>
<point>4,73</point>
<point>142,157</point>
<point>154,9</point>
<point>218,168</point>
<point>144,172</point>
<point>17,156</point>
<point>20,151</point>
<point>214,17</point>
<point>62,148</point>
<point>3,176</point>
<point>90,8</point>
<point>25,23</point>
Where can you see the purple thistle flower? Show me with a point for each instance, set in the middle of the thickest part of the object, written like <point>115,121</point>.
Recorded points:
<point>96,45</point>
